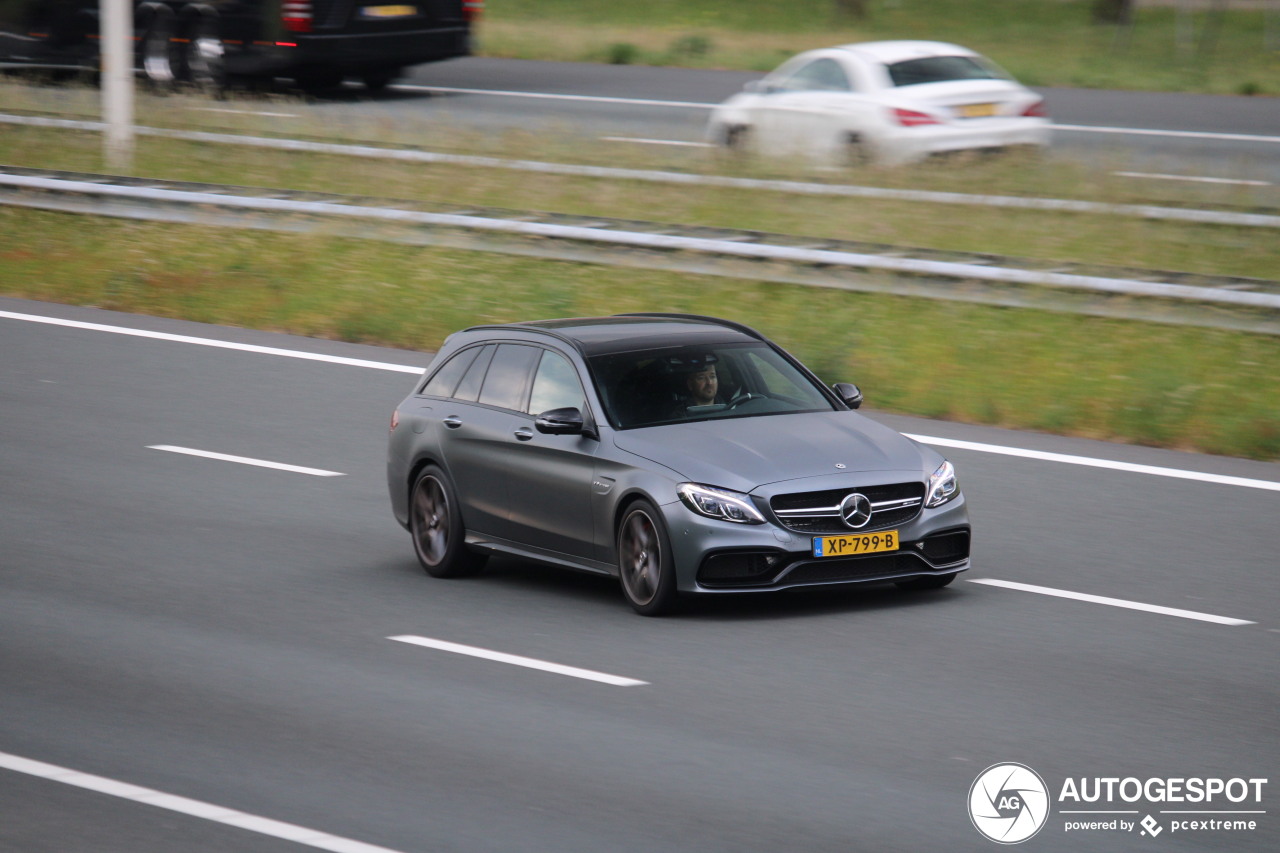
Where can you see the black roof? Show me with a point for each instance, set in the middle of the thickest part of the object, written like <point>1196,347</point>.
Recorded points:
<point>629,332</point>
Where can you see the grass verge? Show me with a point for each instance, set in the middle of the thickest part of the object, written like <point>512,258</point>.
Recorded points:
<point>1166,386</point>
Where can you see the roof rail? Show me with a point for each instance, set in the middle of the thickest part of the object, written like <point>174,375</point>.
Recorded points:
<point>702,317</point>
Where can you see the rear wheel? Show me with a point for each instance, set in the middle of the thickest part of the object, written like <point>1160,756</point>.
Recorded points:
<point>204,55</point>
<point>436,527</point>
<point>645,562</point>
<point>856,154</point>
<point>377,79</point>
<point>930,582</point>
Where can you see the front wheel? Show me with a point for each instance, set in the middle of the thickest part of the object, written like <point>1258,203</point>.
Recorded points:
<point>928,582</point>
<point>645,562</point>
<point>436,526</point>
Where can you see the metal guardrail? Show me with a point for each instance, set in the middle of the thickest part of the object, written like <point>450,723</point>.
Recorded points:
<point>1243,218</point>
<point>1228,302</point>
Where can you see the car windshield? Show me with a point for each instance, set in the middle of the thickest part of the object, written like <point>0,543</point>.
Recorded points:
<point>681,384</point>
<point>940,69</point>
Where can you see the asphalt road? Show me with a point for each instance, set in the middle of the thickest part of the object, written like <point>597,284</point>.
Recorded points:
<point>1217,136</point>
<point>218,631</point>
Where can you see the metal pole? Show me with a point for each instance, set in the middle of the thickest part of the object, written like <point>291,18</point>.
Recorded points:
<point>117,81</point>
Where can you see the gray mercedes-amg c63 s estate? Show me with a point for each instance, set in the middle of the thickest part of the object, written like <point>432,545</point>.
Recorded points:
<point>682,454</point>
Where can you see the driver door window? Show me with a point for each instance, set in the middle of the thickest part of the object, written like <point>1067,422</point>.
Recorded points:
<point>556,386</point>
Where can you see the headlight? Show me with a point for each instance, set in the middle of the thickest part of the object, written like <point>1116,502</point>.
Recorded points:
<point>719,503</point>
<point>942,485</point>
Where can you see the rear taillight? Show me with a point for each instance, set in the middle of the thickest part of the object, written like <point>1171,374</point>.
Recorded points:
<point>395,420</point>
<point>1036,110</point>
<point>472,9</point>
<point>911,118</point>
<point>296,16</point>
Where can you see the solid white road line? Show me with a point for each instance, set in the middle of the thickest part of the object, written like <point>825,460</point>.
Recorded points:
<point>675,142</point>
<point>208,342</point>
<point>245,460</point>
<point>590,99</point>
<point>1178,134</point>
<point>1197,179</point>
<point>647,102</point>
<point>1130,467</point>
<point>1113,602</point>
<point>194,808</point>
<point>1218,479</point>
<point>245,112</point>
<point>517,660</point>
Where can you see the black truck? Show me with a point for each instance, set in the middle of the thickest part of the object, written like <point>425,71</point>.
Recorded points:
<point>316,43</point>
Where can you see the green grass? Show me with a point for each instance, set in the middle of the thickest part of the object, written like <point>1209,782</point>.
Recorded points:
<point>1046,236</point>
<point>1167,386</point>
<point>1043,42</point>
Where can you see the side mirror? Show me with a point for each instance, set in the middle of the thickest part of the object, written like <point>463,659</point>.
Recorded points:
<point>849,393</point>
<point>566,421</point>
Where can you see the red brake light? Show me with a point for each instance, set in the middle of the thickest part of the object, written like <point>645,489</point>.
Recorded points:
<point>296,16</point>
<point>472,9</point>
<point>395,420</point>
<point>1036,110</point>
<point>911,118</point>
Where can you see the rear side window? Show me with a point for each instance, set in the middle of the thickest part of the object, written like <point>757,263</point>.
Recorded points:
<point>508,377</point>
<point>469,388</point>
<point>821,75</point>
<point>445,380</point>
<point>940,69</point>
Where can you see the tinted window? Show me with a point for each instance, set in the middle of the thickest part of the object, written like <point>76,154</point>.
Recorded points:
<point>469,387</point>
<point>555,385</point>
<point>508,376</point>
<point>445,380</point>
<point>651,387</point>
<point>939,69</point>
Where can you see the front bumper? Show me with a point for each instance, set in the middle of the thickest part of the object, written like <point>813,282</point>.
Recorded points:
<point>719,557</point>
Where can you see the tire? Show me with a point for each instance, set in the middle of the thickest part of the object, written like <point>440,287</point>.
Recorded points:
<point>856,153</point>
<point>159,63</point>
<point>203,61</point>
<point>436,527</point>
<point>737,139</point>
<point>646,565</point>
<point>926,583</point>
<point>377,79</point>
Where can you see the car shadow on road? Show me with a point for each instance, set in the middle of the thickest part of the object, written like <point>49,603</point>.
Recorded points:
<point>538,581</point>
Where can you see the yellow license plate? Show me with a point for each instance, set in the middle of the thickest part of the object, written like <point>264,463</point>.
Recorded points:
<point>855,544</point>
<point>977,110</point>
<point>389,11</point>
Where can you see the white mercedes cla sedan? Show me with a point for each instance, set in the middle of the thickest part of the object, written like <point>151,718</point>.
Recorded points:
<point>887,102</point>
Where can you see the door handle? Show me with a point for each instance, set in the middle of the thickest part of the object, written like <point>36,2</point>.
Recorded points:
<point>453,422</point>
<point>524,433</point>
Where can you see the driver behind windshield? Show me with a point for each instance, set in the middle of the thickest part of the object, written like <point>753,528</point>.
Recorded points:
<point>702,383</point>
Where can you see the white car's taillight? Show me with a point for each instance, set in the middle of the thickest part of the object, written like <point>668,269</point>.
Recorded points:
<point>912,118</point>
<point>1036,110</point>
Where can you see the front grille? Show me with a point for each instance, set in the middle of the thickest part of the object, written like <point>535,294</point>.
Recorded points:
<point>819,512</point>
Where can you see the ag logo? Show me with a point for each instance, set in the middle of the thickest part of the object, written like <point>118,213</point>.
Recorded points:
<point>1008,803</point>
